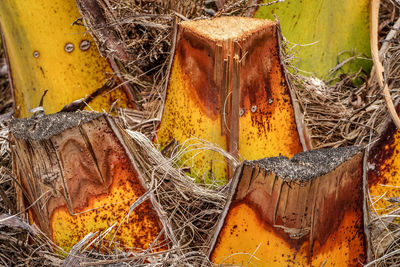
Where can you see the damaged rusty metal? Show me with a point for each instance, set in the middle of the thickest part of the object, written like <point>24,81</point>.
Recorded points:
<point>306,211</point>
<point>76,176</point>
<point>227,86</point>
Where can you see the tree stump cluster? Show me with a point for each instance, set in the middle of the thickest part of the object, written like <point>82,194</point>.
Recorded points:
<point>75,173</point>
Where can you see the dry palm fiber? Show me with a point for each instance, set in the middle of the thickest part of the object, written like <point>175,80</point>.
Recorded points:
<point>344,114</point>
<point>337,115</point>
<point>138,38</point>
<point>191,211</point>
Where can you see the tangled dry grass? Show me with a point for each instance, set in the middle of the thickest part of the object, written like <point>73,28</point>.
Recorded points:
<point>141,47</point>
<point>345,114</point>
<point>137,37</point>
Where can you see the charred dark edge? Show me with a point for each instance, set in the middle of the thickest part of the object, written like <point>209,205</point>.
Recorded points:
<point>108,86</point>
<point>231,194</point>
<point>388,130</point>
<point>155,204</point>
<point>366,211</point>
<point>10,79</point>
<point>74,106</point>
<point>302,130</point>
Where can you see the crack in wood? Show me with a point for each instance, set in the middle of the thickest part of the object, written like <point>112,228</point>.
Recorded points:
<point>91,151</point>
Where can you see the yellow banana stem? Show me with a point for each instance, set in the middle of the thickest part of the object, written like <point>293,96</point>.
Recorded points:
<point>80,177</point>
<point>306,211</point>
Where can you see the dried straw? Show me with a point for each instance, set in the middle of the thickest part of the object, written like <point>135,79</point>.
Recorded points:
<point>345,114</point>
<point>189,213</point>
<point>337,115</point>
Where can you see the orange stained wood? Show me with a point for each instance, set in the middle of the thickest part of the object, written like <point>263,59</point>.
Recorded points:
<point>384,170</point>
<point>89,185</point>
<point>46,51</point>
<point>271,222</point>
<point>262,245</point>
<point>227,86</point>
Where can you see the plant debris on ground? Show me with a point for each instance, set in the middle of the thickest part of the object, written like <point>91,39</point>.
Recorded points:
<point>336,115</point>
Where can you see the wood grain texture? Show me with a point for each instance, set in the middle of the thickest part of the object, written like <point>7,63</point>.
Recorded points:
<point>288,212</point>
<point>77,177</point>
<point>227,86</point>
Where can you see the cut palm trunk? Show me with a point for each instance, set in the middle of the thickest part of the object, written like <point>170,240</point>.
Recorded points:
<point>48,49</point>
<point>333,34</point>
<point>304,211</point>
<point>77,176</point>
<point>384,170</point>
<point>228,87</point>
<point>384,158</point>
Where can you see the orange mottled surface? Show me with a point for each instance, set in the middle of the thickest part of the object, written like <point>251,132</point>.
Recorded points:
<point>384,170</point>
<point>88,184</point>
<point>227,87</point>
<point>275,222</point>
<point>249,240</point>
<point>267,125</point>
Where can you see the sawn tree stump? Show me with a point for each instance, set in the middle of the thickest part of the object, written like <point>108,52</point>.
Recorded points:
<point>77,176</point>
<point>299,212</point>
<point>228,86</point>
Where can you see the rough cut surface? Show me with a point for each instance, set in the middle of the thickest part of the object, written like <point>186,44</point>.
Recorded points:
<point>216,29</point>
<point>45,127</point>
<point>307,165</point>
<point>307,211</point>
<point>77,176</point>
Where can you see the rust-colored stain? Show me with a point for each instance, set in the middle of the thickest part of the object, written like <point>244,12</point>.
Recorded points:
<point>267,126</point>
<point>275,223</point>
<point>384,169</point>
<point>100,185</point>
<point>227,87</point>
<point>196,58</point>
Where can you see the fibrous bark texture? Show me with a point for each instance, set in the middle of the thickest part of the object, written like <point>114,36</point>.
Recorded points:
<point>307,210</point>
<point>227,86</point>
<point>77,176</point>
